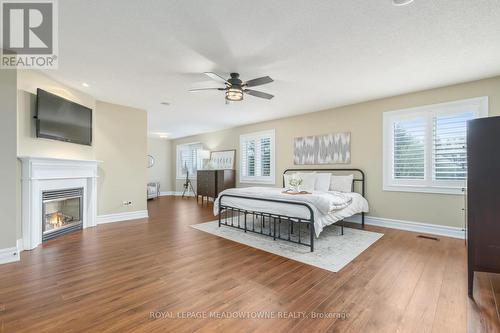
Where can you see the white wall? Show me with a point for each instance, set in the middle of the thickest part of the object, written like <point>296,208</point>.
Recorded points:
<point>121,144</point>
<point>160,149</point>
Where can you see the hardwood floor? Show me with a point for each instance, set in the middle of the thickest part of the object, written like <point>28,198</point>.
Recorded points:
<point>111,278</point>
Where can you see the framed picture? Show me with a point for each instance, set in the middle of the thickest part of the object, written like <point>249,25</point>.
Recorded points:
<point>223,159</point>
<point>332,148</point>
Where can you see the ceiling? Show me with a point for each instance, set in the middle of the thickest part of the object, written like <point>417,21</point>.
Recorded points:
<point>321,54</point>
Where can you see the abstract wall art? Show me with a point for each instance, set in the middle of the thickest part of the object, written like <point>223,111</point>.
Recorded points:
<point>322,149</point>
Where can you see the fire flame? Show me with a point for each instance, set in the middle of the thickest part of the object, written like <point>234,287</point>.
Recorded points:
<point>56,220</point>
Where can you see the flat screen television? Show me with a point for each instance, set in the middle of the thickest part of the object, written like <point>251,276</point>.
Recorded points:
<point>60,119</point>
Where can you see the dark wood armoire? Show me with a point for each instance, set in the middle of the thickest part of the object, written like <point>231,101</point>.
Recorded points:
<point>483,197</point>
<point>209,183</point>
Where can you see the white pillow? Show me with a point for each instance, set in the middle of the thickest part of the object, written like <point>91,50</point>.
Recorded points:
<point>308,181</point>
<point>322,182</point>
<point>341,183</point>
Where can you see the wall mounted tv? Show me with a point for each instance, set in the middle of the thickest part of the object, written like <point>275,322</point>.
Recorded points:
<point>60,119</point>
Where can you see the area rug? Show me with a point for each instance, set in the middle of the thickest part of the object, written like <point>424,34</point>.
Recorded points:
<point>332,251</point>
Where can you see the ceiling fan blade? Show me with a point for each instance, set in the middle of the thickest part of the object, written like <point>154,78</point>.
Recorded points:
<point>258,82</point>
<point>216,77</point>
<point>203,89</point>
<point>258,94</point>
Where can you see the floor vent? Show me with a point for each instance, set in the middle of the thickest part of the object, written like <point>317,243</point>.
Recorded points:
<point>428,237</point>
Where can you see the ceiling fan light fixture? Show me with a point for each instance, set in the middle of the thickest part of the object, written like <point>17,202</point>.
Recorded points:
<point>234,94</point>
<point>235,88</point>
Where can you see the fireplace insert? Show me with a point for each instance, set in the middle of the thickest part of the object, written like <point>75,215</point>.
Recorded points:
<point>62,212</point>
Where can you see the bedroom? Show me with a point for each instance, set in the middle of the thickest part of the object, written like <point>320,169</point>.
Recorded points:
<point>369,101</point>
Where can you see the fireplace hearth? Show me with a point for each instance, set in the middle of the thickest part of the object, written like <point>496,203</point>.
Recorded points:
<point>61,212</point>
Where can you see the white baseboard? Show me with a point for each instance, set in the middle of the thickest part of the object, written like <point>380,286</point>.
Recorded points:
<point>175,193</point>
<point>117,217</point>
<point>426,228</point>
<point>20,246</point>
<point>10,254</point>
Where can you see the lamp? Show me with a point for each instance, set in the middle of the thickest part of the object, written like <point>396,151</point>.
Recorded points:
<point>234,94</point>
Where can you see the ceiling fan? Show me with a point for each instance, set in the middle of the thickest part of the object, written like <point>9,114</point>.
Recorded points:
<point>235,88</point>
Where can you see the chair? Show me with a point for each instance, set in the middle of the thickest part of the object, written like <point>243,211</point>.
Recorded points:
<point>153,190</point>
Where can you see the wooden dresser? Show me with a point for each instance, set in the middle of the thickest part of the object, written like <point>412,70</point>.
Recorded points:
<point>209,183</point>
<point>483,197</point>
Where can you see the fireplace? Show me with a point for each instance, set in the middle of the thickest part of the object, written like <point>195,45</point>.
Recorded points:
<point>44,175</point>
<point>62,212</point>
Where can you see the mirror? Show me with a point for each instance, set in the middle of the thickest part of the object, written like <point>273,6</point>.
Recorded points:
<point>151,161</point>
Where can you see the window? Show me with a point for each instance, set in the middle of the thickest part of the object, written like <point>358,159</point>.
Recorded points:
<point>257,157</point>
<point>189,159</point>
<point>425,148</point>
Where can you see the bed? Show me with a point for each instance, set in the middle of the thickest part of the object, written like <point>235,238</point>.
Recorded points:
<point>293,218</point>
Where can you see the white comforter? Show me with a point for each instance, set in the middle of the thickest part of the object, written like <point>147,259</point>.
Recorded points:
<point>328,207</point>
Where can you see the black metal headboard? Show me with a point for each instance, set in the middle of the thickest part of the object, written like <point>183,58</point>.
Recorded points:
<point>357,178</point>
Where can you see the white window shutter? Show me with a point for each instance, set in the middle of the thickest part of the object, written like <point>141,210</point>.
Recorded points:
<point>248,157</point>
<point>425,148</point>
<point>188,159</point>
<point>409,149</point>
<point>265,156</point>
<point>257,157</point>
<point>450,146</point>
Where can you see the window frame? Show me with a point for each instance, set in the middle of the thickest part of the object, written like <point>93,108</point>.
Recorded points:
<point>179,174</point>
<point>479,106</point>
<point>267,180</point>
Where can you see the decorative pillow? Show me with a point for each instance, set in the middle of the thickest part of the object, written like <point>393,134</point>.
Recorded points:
<point>341,183</point>
<point>308,181</point>
<point>322,182</point>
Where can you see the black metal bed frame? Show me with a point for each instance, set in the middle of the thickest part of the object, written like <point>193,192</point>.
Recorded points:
<point>239,218</point>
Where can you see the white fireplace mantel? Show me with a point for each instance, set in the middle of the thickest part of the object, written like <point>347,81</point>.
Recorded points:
<point>40,174</point>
